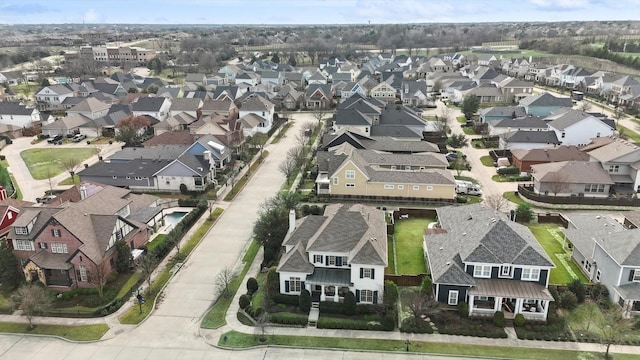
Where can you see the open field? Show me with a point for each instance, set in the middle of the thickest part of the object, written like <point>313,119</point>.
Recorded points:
<point>47,162</point>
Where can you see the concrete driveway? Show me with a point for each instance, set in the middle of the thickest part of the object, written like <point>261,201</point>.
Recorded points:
<point>32,189</point>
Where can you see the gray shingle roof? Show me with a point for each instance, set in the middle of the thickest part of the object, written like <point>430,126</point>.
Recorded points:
<point>14,108</point>
<point>525,136</point>
<point>546,100</point>
<point>148,103</point>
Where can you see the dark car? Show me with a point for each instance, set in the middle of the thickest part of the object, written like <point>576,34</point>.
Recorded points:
<point>55,139</point>
<point>452,156</point>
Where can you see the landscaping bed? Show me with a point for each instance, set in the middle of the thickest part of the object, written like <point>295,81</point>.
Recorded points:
<point>452,323</point>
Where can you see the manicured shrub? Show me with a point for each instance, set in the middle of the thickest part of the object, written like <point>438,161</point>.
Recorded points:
<point>252,285</point>
<point>244,301</point>
<point>286,318</point>
<point>599,293</point>
<point>291,300</point>
<point>388,323</point>
<point>390,293</point>
<point>568,300</point>
<point>498,319</point>
<point>304,301</point>
<point>426,287</point>
<point>258,312</point>
<point>463,308</point>
<point>519,320</point>
<point>578,289</point>
<point>510,170</point>
<point>273,282</point>
<point>412,325</point>
<point>350,303</point>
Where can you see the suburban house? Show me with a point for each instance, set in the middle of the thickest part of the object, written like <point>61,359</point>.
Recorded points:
<point>9,211</point>
<point>346,172</point>
<point>344,250</point>
<point>414,93</point>
<point>524,158</point>
<point>189,106</point>
<point>544,104</point>
<point>289,98</point>
<point>352,88</point>
<point>318,96</point>
<point>575,127</point>
<point>383,92</point>
<point>73,244</point>
<point>526,139</point>
<point>222,107</point>
<point>488,115</point>
<point>18,114</point>
<point>476,255</point>
<point>526,123</point>
<point>487,93</point>
<point>621,159</point>
<point>257,115</point>
<point>607,253</point>
<point>381,143</point>
<point>514,90</point>
<point>156,107</point>
<point>52,97</point>
<point>571,178</point>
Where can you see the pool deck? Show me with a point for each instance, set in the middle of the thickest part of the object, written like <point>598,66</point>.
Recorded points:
<point>166,228</point>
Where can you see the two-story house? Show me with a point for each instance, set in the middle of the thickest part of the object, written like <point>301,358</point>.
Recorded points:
<point>256,114</point>
<point>156,107</point>
<point>73,244</point>
<point>620,159</point>
<point>544,104</point>
<point>384,92</point>
<point>607,253</point>
<point>476,255</point>
<point>344,250</point>
<point>18,114</point>
<point>51,97</point>
<point>575,127</point>
<point>347,172</point>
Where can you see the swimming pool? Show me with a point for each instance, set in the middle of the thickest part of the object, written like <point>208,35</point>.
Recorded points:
<point>170,220</point>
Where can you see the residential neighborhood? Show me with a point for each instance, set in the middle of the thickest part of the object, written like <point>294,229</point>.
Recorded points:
<point>268,190</point>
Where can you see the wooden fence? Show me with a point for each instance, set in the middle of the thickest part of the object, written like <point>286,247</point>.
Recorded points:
<point>406,280</point>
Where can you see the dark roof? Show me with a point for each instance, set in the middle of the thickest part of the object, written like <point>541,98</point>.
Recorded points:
<point>183,137</point>
<point>136,167</point>
<point>524,136</point>
<point>547,100</point>
<point>528,121</point>
<point>14,108</point>
<point>148,103</point>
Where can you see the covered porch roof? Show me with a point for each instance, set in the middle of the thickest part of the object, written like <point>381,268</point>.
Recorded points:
<point>510,289</point>
<point>46,260</point>
<point>629,291</point>
<point>324,276</point>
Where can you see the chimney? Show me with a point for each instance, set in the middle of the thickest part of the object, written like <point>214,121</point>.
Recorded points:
<point>3,193</point>
<point>83,192</point>
<point>292,220</point>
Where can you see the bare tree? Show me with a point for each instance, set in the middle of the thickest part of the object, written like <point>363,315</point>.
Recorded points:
<point>496,202</point>
<point>557,182</point>
<point>442,121</point>
<point>33,299</point>
<point>71,166</point>
<point>420,305</point>
<point>584,106</point>
<point>618,114</point>
<point>98,275</point>
<point>459,165</point>
<point>223,281</point>
<point>262,321</point>
<point>147,264</point>
<point>614,327</point>
<point>258,140</point>
<point>320,113</point>
<point>287,167</point>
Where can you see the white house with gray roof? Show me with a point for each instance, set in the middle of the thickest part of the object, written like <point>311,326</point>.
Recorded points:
<point>575,127</point>
<point>17,114</point>
<point>478,256</point>
<point>344,250</point>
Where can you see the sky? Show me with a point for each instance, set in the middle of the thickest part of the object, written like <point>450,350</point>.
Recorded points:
<point>275,12</point>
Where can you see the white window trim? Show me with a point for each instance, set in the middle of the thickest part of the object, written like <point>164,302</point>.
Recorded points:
<point>350,185</point>
<point>416,187</point>
<point>400,187</point>
<point>451,301</point>
<point>389,187</point>
<point>59,248</point>
<point>636,275</point>
<point>83,272</point>
<point>598,275</point>
<point>530,277</point>
<point>23,245</point>
<point>479,271</point>
<point>429,187</point>
<point>366,296</point>
<point>366,273</point>
<point>502,273</point>
<point>298,284</point>
<point>349,174</point>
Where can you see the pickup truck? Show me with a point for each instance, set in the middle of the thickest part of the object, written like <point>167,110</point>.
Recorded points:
<point>55,139</point>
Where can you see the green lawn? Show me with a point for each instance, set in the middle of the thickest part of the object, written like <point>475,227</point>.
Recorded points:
<point>468,130</point>
<point>461,119</point>
<point>487,161</point>
<point>511,196</point>
<point>408,237</point>
<point>281,133</point>
<point>550,237</point>
<point>240,340</point>
<point>391,269</point>
<point>239,185</point>
<point>632,135</point>
<point>76,333</point>
<point>46,162</point>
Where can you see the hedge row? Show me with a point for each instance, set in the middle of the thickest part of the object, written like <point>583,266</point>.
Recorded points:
<point>175,235</point>
<point>511,170</point>
<point>347,324</point>
<point>287,318</point>
<point>411,325</point>
<point>330,307</point>
<point>485,333</point>
<point>285,299</point>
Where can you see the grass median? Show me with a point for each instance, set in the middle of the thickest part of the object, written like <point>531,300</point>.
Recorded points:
<point>238,186</point>
<point>75,333</point>
<point>240,340</point>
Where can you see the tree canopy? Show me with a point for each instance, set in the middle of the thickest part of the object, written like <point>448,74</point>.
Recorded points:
<point>470,105</point>
<point>130,129</point>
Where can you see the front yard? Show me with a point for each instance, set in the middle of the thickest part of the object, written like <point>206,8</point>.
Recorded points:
<point>408,237</point>
<point>48,162</point>
<point>550,237</point>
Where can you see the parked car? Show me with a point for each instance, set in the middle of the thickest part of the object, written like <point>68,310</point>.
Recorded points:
<point>452,156</point>
<point>79,137</point>
<point>55,139</point>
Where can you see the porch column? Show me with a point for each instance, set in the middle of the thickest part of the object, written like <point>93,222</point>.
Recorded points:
<point>545,307</point>
<point>471,299</point>
<point>322,296</point>
<point>518,308</point>
<point>497,306</point>
<point>335,293</point>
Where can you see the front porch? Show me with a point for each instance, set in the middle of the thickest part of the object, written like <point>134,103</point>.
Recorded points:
<point>328,284</point>
<point>511,297</point>
<point>629,299</point>
<point>323,184</point>
<point>49,269</point>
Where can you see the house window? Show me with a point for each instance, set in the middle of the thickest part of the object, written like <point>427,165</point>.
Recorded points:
<point>453,297</point>
<point>636,275</point>
<point>614,168</point>
<point>593,188</point>
<point>367,273</point>
<point>21,230</point>
<point>82,270</point>
<point>55,232</point>
<point>388,187</point>
<point>366,296</point>
<point>317,259</point>
<point>42,245</point>
<point>350,174</point>
<point>393,167</point>
<point>138,178</point>
<point>331,260</point>
<point>59,248</point>
<point>562,135</point>
<point>505,271</point>
<point>483,271</point>
<point>335,181</point>
<point>587,266</point>
<point>23,245</point>
<point>400,187</point>
<point>598,274</point>
<point>294,284</point>
<point>429,188</point>
<point>408,167</point>
<point>350,185</point>
<point>530,274</point>
<point>416,187</point>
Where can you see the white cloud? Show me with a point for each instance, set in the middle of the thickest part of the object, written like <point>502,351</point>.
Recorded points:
<point>562,4</point>
<point>91,16</point>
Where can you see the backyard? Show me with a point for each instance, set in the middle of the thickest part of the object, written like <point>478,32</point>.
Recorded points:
<point>47,162</point>
<point>550,237</point>
<point>407,241</point>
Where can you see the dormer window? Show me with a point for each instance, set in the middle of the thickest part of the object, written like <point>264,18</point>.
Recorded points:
<point>506,271</point>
